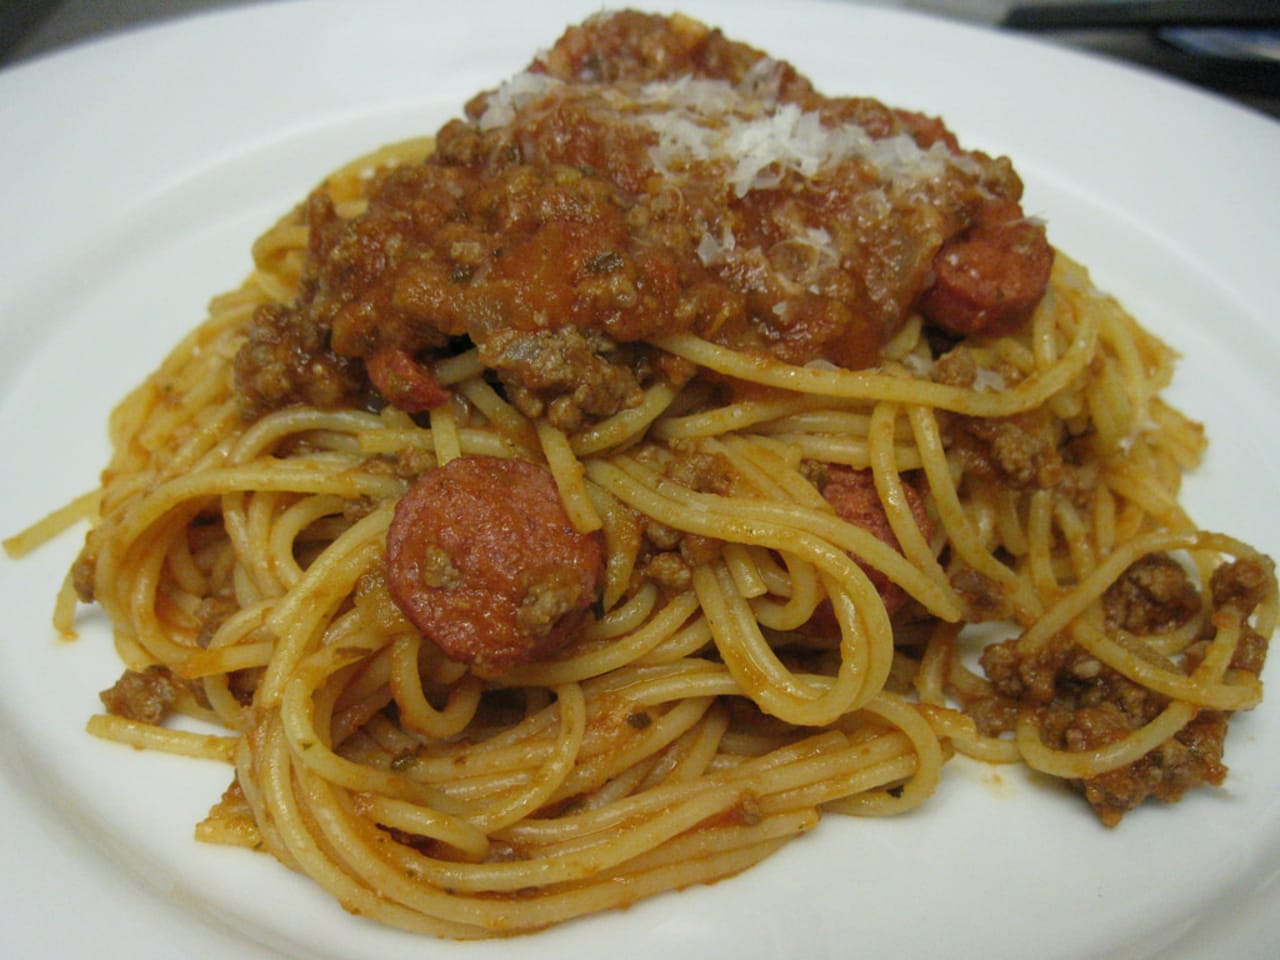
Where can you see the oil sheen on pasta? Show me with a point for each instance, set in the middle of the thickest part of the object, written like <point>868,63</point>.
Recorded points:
<point>580,503</point>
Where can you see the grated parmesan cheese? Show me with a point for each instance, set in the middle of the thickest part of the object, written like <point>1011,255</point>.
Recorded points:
<point>989,381</point>
<point>711,121</point>
<point>513,96</point>
<point>713,250</point>
<point>740,128</point>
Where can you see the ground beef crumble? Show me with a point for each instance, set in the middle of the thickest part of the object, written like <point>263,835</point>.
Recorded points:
<point>1154,596</point>
<point>567,374</point>
<point>145,696</point>
<point>287,359</point>
<point>1080,704</point>
<point>1021,451</point>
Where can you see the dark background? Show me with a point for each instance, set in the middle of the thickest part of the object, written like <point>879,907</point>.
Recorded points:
<point>29,28</point>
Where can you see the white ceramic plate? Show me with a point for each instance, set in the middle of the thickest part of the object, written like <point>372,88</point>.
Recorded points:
<point>136,172</point>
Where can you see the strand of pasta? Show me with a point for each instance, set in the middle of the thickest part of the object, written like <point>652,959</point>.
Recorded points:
<point>887,473</point>
<point>877,386</point>
<point>964,539</point>
<point>569,475</point>
<point>803,699</point>
<point>627,425</point>
<point>780,527</point>
<point>926,769</point>
<point>147,736</point>
<point>1089,633</point>
<point>298,619</point>
<point>1073,604</point>
<point>618,652</point>
<point>734,417</point>
<point>414,709</point>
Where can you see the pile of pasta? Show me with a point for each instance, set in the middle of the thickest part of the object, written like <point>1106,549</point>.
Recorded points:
<point>691,730</point>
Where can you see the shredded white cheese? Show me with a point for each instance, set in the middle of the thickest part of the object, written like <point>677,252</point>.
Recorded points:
<point>699,120</point>
<point>713,250</point>
<point>513,96</point>
<point>917,364</point>
<point>989,381</point>
<point>742,128</point>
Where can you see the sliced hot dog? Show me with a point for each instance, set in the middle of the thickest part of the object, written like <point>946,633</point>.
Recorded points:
<point>404,382</point>
<point>482,558</point>
<point>989,279</point>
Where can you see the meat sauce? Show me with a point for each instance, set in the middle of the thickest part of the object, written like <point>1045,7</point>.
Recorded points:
<point>647,176</point>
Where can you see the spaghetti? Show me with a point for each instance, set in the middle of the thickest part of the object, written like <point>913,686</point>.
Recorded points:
<point>738,563</point>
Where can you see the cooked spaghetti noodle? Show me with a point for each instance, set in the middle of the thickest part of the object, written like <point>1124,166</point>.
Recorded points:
<point>786,560</point>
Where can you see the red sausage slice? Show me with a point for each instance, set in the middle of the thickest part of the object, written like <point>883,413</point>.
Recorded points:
<point>404,382</point>
<point>482,558</point>
<point>852,494</point>
<point>989,279</point>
